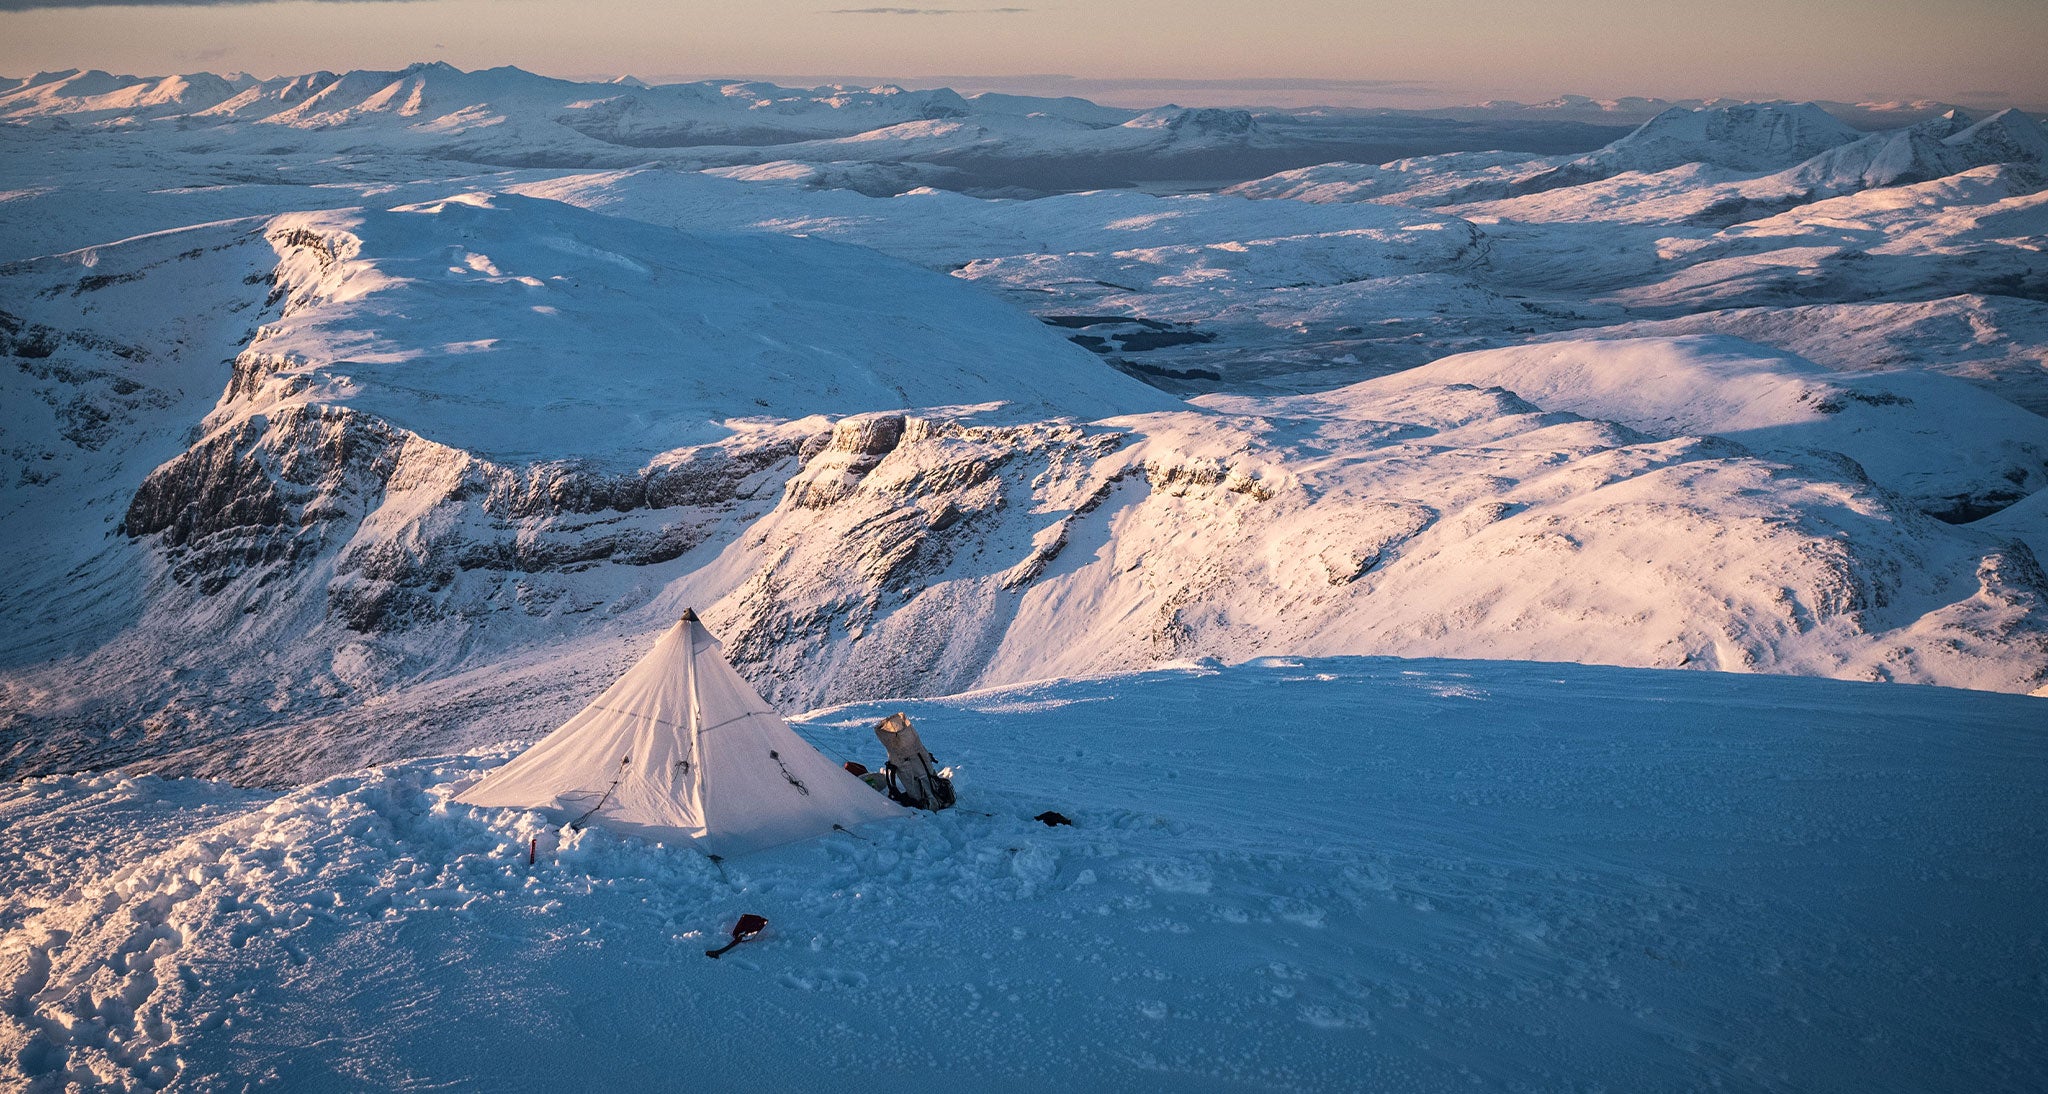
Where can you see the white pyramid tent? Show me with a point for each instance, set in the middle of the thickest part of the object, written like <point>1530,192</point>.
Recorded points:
<point>682,748</point>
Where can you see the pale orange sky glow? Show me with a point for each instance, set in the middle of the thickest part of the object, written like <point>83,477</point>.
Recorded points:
<point>1348,53</point>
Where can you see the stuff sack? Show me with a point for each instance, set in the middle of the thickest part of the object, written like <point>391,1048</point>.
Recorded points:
<point>914,778</point>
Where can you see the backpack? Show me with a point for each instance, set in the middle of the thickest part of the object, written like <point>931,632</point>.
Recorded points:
<point>914,778</point>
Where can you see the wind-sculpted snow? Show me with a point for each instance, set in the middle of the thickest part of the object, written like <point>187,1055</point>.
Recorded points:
<point>1298,874</point>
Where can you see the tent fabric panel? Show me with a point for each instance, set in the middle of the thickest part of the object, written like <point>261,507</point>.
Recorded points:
<point>641,716</point>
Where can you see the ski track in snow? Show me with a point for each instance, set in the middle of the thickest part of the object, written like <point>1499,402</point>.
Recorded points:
<point>1286,875</point>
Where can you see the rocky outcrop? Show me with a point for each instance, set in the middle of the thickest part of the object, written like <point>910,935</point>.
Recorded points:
<point>398,519</point>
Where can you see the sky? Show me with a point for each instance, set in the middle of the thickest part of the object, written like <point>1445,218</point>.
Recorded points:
<point>1196,52</point>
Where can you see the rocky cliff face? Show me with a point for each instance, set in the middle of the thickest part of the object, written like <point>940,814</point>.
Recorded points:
<point>337,565</point>
<point>400,518</point>
<point>923,557</point>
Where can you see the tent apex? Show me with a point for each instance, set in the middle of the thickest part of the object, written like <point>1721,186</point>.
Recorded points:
<point>689,615</point>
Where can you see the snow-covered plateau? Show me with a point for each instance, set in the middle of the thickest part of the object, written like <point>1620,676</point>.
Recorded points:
<point>1529,615</point>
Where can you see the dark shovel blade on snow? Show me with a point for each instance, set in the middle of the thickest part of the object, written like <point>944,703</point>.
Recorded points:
<point>748,926</point>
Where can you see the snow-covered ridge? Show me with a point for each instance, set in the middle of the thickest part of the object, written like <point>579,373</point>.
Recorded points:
<point>1544,504</point>
<point>1636,109</point>
<point>1748,137</point>
<point>507,116</point>
<point>1363,520</point>
<point>1945,447</point>
<point>408,436</point>
<point>437,455</point>
<point>1740,137</point>
<point>1723,160</point>
<point>425,92</point>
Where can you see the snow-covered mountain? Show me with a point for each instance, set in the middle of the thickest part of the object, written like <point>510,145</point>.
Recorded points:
<point>369,424</point>
<point>445,446</point>
<point>509,118</point>
<point>351,421</point>
<point>437,97</point>
<point>94,96</point>
<point>1684,166</point>
<point>1746,137</point>
<point>1741,137</point>
<point>1699,194</point>
<point>381,523</point>
<point>1636,109</point>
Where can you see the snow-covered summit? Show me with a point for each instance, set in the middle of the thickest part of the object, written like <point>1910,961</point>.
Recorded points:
<point>2009,136</point>
<point>1203,120</point>
<point>1747,137</point>
<point>561,332</point>
<point>1940,146</point>
<point>1742,137</point>
<point>97,96</point>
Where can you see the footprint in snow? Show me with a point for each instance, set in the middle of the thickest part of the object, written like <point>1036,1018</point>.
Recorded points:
<point>823,980</point>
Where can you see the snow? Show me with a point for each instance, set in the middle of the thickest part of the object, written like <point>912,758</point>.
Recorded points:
<point>1944,440</point>
<point>524,302</point>
<point>1297,874</point>
<point>1750,136</point>
<point>362,427</point>
<point>474,434</point>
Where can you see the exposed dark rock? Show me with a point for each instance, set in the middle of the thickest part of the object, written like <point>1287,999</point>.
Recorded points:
<point>1141,341</point>
<point>283,490</point>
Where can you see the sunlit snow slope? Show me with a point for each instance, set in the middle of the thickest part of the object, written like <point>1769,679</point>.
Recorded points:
<point>1288,875</point>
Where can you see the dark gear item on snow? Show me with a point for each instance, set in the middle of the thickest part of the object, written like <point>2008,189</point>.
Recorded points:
<point>748,926</point>
<point>855,767</point>
<point>1052,819</point>
<point>914,778</point>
